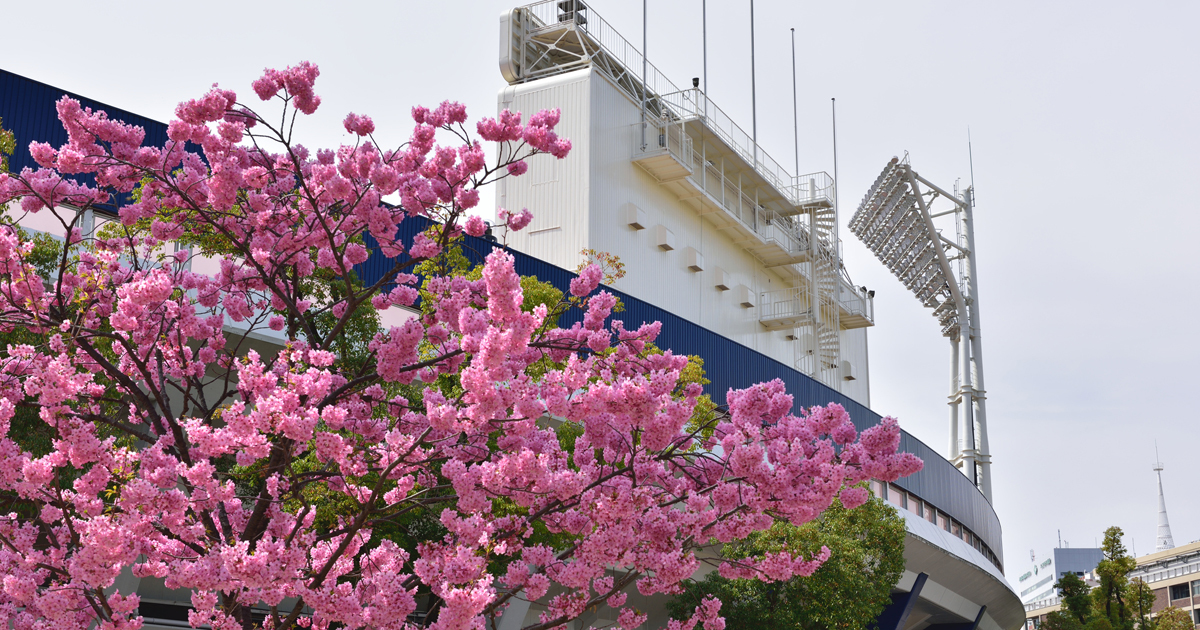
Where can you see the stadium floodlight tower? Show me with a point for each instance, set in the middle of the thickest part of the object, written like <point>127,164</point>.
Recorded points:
<point>896,222</point>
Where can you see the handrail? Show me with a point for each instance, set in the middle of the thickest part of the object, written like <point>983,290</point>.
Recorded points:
<point>793,301</point>
<point>693,104</point>
<point>856,301</point>
<point>783,303</point>
<point>666,100</point>
<point>770,225</point>
<point>547,14</point>
<point>814,188</point>
<point>1156,573</point>
<point>1042,603</point>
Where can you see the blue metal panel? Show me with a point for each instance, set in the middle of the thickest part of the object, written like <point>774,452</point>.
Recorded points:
<point>896,614</point>
<point>27,108</point>
<point>968,625</point>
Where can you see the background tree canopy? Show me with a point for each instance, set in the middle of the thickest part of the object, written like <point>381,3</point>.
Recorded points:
<point>1173,619</point>
<point>847,592</point>
<point>1116,603</point>
<point>7,145</point>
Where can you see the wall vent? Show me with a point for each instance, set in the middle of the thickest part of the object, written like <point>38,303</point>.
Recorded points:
<point>664,238</point>
<point>743,296</point>
<point>847,371</point>
<point>721,279</point>
<point>633,216</point>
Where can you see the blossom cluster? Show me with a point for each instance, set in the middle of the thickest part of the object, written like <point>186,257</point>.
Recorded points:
<point>183,452</point>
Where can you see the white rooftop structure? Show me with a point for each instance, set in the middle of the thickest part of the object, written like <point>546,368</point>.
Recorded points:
<point>662,177</point>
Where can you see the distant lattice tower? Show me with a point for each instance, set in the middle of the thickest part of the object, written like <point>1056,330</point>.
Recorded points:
<point>1165,541</point>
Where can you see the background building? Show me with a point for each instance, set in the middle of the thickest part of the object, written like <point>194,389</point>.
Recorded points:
<point>1037,583</point>
<point>1174,575</point>
<point>1171,571</point>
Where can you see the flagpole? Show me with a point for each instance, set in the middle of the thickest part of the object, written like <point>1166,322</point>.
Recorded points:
<point>795,111</point>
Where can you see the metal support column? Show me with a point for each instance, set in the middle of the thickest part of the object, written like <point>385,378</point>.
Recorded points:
<point>955,447</point>
<point>970,454</point>
<point>980,393</point>
<point>896,614</point>
<point>645,63</point>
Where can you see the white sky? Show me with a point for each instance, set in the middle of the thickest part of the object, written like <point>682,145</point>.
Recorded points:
<point>1085,127</point>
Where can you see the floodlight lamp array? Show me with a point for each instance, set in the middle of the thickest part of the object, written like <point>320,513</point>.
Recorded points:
<point>890,222</point>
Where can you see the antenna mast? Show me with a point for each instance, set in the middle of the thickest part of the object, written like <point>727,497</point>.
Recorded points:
<point>833,110</point>
<point>1165,541</point>
<point>971,159</point>
<point>795,111</point>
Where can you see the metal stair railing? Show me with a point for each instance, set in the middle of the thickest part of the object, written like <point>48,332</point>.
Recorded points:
<point>788,232</point>
<point>783,303</point>
<point>603,47</point>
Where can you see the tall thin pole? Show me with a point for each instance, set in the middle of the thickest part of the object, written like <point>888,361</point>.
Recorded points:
<point>833,102</point>
<point>753,89</point>
<point>704,34</point>
<point>971,158</point>
<point>795,111</point>
<point>644,71</point>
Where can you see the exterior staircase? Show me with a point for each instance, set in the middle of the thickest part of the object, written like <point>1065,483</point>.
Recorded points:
<point>787,222</point>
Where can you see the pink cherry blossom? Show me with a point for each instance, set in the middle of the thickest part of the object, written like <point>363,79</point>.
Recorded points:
<point>361,125</point>
<point>516,221</point>
<point>518,168</point>
<point>145,486</point>
<point>475,226</point>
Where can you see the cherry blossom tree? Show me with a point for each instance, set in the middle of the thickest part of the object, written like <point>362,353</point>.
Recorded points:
<point>185,452</point>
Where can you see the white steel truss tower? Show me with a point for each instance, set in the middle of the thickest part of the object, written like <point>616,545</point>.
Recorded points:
<point>896,222</point>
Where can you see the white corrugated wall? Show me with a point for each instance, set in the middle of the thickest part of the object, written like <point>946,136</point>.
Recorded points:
<point>579,203</point>
<point>555,191</point>
<point>662,277</point>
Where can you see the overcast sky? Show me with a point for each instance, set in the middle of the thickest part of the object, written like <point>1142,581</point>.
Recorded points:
<point>1085,128</point>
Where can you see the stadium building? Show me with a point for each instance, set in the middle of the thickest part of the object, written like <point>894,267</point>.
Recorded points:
<point>737,256</point>
<point>1037,583</point>
<point>740,255</point>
